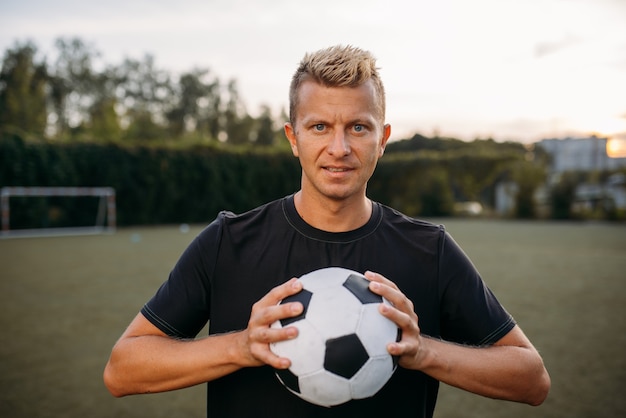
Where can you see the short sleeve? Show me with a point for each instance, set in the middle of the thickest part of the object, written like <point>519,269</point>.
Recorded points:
<point>181,306</point>
<point>470,312</point>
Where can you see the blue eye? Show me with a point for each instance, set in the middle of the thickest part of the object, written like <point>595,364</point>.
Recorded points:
<point>319,127</point>
<point>358,128</point>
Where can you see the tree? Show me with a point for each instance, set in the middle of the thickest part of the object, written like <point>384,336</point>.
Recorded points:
<point>73,85</point>
<point>23,90</point>
<point>104,121</point>
<point>196,100</point>
<point>237,122</point>
<point>144,93</point>
<point>76,99</point>
<point>528,177</point>
<point>562,195</point>
<point>265,132</point>
<point>435,195</point>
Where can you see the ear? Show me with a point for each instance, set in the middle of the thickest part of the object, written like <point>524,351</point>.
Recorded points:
<point>386,135</point>
<point>290,133</point>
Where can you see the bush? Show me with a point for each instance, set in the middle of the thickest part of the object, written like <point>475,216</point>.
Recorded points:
<point>165,185</point>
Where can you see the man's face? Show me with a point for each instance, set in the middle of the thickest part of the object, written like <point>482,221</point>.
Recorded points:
<point>338,137</point>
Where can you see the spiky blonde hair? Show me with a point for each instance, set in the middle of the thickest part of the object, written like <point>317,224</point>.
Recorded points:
<point>337,66</point>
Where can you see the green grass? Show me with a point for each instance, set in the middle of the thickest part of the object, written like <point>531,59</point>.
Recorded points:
<point>66,300</point>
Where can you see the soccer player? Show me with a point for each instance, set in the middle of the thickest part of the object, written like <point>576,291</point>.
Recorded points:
<point>237,269</point>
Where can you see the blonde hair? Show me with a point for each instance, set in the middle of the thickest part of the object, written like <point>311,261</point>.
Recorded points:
<point>337,66</point>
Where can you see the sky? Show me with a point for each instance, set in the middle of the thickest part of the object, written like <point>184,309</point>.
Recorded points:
<point>511,70</point>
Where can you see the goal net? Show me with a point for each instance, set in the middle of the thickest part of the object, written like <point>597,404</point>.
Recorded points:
<point>45,211</point>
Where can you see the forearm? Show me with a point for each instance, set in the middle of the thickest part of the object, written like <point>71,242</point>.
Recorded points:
<point>501,371</point>
<point>146,360</point>
<point>510,369</point>
<point>153,363</point>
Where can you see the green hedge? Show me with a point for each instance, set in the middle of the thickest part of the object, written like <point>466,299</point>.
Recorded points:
<point>153,185</point>
<point>164,185</point>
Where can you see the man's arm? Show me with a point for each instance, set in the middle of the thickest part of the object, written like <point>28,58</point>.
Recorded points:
<point>145,360</point>
<point>511,369</point>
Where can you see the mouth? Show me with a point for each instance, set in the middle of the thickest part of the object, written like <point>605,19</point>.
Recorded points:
<point>337,169</point>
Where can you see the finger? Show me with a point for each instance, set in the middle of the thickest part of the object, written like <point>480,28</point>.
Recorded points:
<point>396,348</point>
<point>266,315</point>
<point>281,291</point>
<point>379,278</point>
<point>268,335</point>
<point>404,320</point>
<point>278,293</point>
<point>263,354</point>
<point>391,293</point>
<point>384,287</point>
<point>271,359</point>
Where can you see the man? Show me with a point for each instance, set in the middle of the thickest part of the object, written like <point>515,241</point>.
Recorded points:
<point>238,269</point>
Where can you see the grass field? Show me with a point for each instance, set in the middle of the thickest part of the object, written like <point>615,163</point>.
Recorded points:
<point>66,300</point>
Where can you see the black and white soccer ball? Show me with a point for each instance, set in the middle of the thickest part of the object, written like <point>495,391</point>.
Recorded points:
<point>340,352</point>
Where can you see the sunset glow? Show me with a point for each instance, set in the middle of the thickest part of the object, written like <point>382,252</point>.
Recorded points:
<point>616,148</point>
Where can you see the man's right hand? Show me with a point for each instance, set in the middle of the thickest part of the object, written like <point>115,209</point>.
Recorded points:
<point>259,334</point>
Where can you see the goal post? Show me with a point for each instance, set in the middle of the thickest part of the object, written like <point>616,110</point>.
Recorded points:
<point>104,222</point>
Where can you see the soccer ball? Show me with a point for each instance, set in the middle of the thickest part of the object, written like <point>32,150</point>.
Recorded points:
<point>340,352</point>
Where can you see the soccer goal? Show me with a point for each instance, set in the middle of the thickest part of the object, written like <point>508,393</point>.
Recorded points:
<point>54,211</point>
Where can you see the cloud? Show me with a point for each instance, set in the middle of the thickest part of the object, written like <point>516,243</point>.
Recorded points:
<point>552,47</point>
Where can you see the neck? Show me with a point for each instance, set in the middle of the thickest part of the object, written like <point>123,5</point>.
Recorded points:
<point>333,215</point>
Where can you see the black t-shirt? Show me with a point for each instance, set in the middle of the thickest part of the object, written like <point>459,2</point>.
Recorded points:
<point>237,259</point>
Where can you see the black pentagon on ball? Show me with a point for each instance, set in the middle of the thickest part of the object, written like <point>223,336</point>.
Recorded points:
<point>304,297</point>
<point>345,355</point>
<point>289,379</point>
<point>359,286</point>
<point>395,359</point>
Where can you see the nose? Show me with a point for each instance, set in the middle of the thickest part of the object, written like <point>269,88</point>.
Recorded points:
<point>338,144</point>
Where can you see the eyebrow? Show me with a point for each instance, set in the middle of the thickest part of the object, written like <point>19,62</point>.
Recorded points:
<point>358,120</point>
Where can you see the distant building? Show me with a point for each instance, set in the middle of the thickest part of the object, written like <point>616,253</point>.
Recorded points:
<point>580,154</point>
<point>572,154</point>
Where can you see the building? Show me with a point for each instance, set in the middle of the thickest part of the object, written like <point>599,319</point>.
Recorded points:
<point>580,154</point>
<point>573,154</point>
